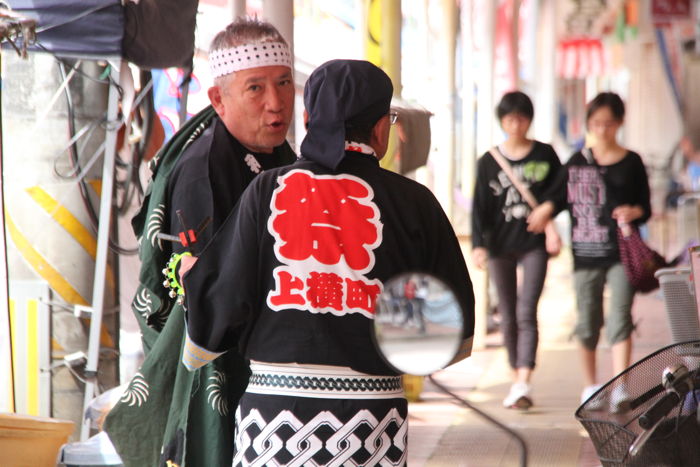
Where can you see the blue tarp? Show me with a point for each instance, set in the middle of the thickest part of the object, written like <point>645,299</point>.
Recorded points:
<point>75,27</point>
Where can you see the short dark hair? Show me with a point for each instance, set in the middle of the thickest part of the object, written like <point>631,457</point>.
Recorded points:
<point>515,102</point>
<point>244,30</point>
<point>360,132</point>
<point>609,100</point>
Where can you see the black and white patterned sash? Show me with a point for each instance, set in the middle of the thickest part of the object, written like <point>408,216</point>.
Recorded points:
<point>321,382</point>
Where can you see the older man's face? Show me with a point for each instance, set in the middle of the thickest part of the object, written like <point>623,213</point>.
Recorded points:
<point>256,105</point>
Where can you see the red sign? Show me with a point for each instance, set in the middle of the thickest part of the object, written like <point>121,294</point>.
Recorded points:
<point>664,11</point>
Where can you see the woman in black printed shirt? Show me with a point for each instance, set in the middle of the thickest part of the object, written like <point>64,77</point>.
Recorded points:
<point>603,186</point>
<point>503,237</point>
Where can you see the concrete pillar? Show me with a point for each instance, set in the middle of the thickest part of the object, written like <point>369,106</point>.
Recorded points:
<point>477,30</point>
<point>515,39</point>
<point>237,8</point>
<point>484,30</point>
<point>469,77</point>
<point>381,22</point>
<point>443,123</point>
<point>391,42</point>
<point>545,96</point>
<point>381,33</point>
<point>281,14</point>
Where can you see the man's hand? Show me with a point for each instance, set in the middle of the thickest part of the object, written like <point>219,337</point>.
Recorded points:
<point>539,217</point>
<point>480,257</point>
<point>186,264</point>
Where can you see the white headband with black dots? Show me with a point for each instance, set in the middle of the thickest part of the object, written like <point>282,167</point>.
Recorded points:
<point>225,61</point>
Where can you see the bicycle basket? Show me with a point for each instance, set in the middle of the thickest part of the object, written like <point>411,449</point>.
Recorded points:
<point>611,415</point>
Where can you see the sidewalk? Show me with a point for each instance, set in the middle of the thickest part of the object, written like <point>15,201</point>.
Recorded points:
<point>443,433</point>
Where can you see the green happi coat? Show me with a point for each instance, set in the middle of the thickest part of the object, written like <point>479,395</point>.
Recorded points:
<point>168,415</point>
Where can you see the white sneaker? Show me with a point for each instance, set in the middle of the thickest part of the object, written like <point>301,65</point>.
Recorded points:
<point>620,400</point>
<point>586,394</point>
<point>518,397</point>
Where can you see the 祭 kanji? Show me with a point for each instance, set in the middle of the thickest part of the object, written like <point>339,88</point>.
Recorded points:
<point>304,205</point>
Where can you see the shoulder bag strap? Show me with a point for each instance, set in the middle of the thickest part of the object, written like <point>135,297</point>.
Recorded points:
<point>517,183</point>
<point>588,155</point>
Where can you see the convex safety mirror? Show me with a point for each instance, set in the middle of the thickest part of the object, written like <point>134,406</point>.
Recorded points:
<point>418,324</point>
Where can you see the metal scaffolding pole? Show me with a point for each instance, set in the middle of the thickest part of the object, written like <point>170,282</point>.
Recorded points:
<point>98,293</point>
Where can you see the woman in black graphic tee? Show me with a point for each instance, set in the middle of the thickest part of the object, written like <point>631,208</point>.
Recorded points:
<point>503,238</point>
<point>606,186</point>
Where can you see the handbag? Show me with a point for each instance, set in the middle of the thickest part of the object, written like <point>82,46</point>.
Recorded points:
<point>639,260</point>
<point>550,231</point>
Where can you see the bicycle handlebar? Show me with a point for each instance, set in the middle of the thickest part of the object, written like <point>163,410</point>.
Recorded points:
<point>678,383</point>
<point>659,410</point>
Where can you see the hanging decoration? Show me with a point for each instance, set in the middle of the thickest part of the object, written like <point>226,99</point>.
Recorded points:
<point>580,52</point>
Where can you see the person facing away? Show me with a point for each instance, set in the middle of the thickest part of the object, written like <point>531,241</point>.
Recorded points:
<point>603,187</point>
<point>504,236</point>
<point>292,278</point>
<point>252,99</point>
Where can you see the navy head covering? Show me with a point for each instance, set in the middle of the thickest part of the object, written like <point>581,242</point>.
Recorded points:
<point>340,92</point>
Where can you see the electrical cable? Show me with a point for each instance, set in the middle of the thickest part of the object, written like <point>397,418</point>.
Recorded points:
<point>73,150</point>
<point>143,111</point>
<point>74,157</point>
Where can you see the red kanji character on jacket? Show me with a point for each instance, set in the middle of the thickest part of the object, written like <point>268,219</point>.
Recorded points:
<point>325,217</point>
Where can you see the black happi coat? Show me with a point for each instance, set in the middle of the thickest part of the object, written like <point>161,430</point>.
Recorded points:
<point>291,275</point>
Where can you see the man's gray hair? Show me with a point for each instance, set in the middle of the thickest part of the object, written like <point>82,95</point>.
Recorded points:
<point>246,30</point>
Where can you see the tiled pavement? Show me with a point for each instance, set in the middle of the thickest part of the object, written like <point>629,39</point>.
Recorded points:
<point>443,433</point>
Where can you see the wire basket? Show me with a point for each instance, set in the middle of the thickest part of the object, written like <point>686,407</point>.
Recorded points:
<point>679,302</point>
<point>611,415</point>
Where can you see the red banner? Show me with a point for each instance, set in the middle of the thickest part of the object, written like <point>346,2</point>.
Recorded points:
<point>665,11</point>
<point>504,65</point>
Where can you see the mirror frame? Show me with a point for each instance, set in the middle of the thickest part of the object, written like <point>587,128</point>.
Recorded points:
<point>461,351</point>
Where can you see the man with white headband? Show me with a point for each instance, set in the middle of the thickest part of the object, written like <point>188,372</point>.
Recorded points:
<point>253,96</point>
<point>292,277</point>
<point>168,416</point>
